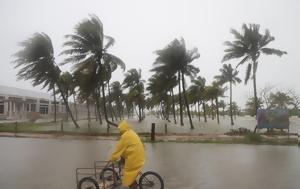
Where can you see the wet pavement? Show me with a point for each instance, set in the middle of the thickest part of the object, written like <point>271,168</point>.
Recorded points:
<point>50,164</point>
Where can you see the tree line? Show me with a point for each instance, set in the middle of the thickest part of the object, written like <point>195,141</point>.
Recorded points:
<point>89,81</point>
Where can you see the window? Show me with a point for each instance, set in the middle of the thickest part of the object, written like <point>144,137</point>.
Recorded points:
<point>32,107</point>
<point>43,109</point>
<point>1,107</point>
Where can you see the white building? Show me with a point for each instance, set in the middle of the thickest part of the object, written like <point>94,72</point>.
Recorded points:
<point>15,104</point>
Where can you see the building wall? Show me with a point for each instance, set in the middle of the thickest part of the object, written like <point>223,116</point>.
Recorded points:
<point>24,108</point>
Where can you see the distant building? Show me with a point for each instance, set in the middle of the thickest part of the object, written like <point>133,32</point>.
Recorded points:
<point>16,104</point>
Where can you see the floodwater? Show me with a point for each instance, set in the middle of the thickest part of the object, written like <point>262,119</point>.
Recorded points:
<point>209,127</point>
<point>50,164</point>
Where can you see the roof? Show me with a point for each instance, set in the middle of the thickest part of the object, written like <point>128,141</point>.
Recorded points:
<point>12,91</point>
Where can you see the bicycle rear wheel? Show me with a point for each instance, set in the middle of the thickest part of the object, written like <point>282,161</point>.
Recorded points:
<point>88,183</point>
<point>151,179</point>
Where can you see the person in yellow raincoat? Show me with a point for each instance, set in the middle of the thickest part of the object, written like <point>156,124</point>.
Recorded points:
<point>131,149</point>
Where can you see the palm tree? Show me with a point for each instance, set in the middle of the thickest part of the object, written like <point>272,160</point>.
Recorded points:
<point>280,100</point>
<point>86,90</point>
<point>176,58</point>
<point>249,45</point>
<point>67,83</point>
<point>37,64</point>
<point>89,51</point>
<point>214,92</point>
<point>222,105</point>
<point>197,88</point>
<point>159,86</point>
<point>135,84</point>
<point>251,105</point>
<point>228,75</point>
<point>117,96</point>
<point>73,93</point>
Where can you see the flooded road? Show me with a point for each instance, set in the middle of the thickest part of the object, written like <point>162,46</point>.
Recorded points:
<point>50,164</point>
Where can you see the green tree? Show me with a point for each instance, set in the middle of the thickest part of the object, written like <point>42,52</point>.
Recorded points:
<point>177,59</point>
<point>222,105</point>
<point>117,97</point>
<point>213,92</point>
<point>88,50</point>
<point>251,105</point>
<point>280,100</point>
<point>66,81</point>
<point>197,89</point>
<point>37,63</point>
<point>133,81</point>
<point>228,75</point>
<point>248,46</point>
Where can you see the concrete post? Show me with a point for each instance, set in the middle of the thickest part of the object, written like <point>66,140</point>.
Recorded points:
<point>153,132</point>
<point>166,128</point>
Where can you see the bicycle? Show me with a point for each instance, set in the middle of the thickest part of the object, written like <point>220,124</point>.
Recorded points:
<point>110,175</point>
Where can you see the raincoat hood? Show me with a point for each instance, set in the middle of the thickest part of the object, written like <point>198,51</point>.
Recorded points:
<point>123,127</point>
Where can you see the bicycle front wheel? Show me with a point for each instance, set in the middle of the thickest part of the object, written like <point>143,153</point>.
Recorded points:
<point>88,183</point>
<point>151,179</point>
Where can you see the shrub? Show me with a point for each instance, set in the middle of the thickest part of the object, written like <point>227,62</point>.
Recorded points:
<point>33,116</point>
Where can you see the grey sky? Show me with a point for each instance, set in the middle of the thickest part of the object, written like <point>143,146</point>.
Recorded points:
<point>141,27</point>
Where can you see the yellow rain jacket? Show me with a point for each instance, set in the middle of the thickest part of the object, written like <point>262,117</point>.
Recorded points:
<point>131,149</point>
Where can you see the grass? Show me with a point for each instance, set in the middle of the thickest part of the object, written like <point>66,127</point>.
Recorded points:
<point>253,138</point>
<point>55,129</point>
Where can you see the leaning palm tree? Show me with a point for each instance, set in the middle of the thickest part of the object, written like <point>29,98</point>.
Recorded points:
<point>37,64</point>
<point>66,82</point>
<point>117,96</point>
<point>213,92</point>
<point>248,46</point>
<point>198,87</point>
<point>134,82</point>
<point>88,50</point>
<point>176,58</point>
<point>228,75</point>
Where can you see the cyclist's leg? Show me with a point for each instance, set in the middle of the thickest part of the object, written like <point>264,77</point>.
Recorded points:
<point>134,185</point>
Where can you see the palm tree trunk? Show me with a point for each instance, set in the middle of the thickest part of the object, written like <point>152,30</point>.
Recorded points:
<point>173,105</point>
<point>75,107</point>
<point>212,110</point>
<point>54,96</point>
<point>68,102</point>
<point>199,109</point>
<point>180,100</point>
<point>231,116</point>
<point>186,102</point>
<point>140,113</point>
<point>112,114</point>
<point>88,112</point>
<point>67,106</point>
<point>98,96</point>
<point>119,107</point>
<point>104,109</point>
<point>255,91</point>
<point>204,111</point>
<point>217,110</point>
<point>96,114</point>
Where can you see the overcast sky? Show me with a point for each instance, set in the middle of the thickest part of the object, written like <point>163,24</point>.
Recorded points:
<point>141,27</point>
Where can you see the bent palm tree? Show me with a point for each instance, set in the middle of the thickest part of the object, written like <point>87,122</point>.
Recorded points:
<point>176,58</point>
<point>198,87</point>
<point>37,64</point>
<point>89,51</point>
<point>248,46</point>
<point>135,84</point>
<point>228,75</point>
